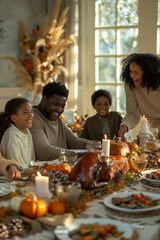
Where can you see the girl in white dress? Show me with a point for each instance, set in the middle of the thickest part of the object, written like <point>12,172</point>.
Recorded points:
<point>16,143</point>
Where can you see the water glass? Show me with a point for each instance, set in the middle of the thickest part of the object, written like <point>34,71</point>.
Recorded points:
<point>93,146</point>
<point>68,192</point>
<point>154,132</point>
<point>68,156</point>
<point>139,162</point>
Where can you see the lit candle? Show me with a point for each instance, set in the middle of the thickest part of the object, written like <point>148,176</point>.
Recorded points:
<point>144,125</point>
<point>106,146</point>
<point>42,185</point>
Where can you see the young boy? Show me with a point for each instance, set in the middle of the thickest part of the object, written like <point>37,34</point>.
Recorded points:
<point>105,121</point>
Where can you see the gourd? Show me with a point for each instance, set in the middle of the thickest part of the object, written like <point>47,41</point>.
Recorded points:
<point>15,203</point>
<point>132,145</point>
<point>33,207</point>
<point>62,167</point>
<point>119,148</point>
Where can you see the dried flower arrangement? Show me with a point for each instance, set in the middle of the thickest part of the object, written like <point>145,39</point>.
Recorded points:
<point>41,60</point>
<point>79,121</point>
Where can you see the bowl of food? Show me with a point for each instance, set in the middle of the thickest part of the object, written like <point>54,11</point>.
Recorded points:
<point>68,191</point>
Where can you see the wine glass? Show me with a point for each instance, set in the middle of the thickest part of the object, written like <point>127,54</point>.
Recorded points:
<point>154,132</point>
<point>93,146</point>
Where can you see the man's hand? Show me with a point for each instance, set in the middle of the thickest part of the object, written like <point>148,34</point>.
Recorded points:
<point>13,172</point>
<point>123,129</point>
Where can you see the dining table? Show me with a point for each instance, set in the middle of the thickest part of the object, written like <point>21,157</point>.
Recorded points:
<point>145,228</point>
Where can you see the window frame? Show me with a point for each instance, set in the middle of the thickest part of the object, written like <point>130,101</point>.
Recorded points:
<point>147,42</point>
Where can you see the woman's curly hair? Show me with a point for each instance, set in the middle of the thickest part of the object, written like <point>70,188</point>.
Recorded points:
<point>150,65</point>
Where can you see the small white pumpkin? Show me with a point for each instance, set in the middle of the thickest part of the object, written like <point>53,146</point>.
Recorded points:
<point>15,203</point>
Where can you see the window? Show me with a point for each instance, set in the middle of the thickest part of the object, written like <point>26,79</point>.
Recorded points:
<point>116,35</point>
<point>109,31</point>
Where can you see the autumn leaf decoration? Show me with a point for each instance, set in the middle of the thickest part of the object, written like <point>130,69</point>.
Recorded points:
<point>41,59</point>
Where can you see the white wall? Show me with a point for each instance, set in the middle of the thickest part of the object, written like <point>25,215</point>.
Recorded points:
<point>32,12</point>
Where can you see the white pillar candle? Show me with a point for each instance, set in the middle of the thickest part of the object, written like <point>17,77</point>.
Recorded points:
<point>41,185</point>
<point>106,146</point>
<point>144,125</point>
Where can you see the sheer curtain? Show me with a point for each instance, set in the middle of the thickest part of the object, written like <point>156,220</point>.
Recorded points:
<point>71,53</point>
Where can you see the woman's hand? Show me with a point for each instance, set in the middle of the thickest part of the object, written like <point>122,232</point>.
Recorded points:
<point>123,129</point>
<point>13,172</point>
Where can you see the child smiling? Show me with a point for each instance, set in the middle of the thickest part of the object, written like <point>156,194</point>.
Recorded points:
<point>16,143</point>
<point>105,121</point>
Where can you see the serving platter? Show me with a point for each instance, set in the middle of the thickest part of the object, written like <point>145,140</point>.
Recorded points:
<point>149,172</point>
<point>62,232</point>
<point>108,202</point>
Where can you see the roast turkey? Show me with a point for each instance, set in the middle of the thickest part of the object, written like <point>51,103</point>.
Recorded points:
<point>91,171</point>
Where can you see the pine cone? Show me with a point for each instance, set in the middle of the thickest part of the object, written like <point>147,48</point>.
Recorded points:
<point>16,225</point>
<point>118,175</point>
<point>4,233</point>
<point>56,177</point>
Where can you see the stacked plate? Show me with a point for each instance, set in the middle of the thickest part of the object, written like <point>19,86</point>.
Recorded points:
<point>150,180</point>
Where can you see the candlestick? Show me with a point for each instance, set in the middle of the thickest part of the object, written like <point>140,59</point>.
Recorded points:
<point>144,125</point>
<point>42,186</point>
<point>106,146</point>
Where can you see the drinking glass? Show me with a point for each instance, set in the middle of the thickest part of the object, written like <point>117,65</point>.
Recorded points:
<point>68,156</point>
<point>154,132</point>
<point>119,166</point>
<point>151,144</point>
<point>68,192</point>
<point>139,162</point>
<point>93,146</point>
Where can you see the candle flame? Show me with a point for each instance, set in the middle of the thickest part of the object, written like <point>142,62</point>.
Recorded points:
<point>105,136</point>
<point>143,116</point>
<point>39,174</point>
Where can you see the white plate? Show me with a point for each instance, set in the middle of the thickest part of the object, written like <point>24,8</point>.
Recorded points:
<point>148,179</point>
<point>108,202</point>
<point>62,232</point>
<point>150,187</point>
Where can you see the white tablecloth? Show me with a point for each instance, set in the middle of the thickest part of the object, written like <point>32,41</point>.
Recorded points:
<point>97,209</point>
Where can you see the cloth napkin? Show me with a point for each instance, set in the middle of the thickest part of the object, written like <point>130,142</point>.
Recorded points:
<point>4,179</point>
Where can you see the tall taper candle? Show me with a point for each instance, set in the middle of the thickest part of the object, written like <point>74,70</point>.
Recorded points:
<point>106,146</point>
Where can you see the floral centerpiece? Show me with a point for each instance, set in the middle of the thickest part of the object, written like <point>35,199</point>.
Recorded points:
<point>79,121</point>
<point>41,59</point>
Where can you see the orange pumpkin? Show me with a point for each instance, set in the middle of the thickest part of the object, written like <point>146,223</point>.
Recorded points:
<point>119,148</point>
<point>62,167</point>
<point>65,168</point>
<point>51,166</point>
<point>33,207</point>
<point>57,207</point>
<point>132,145</point>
